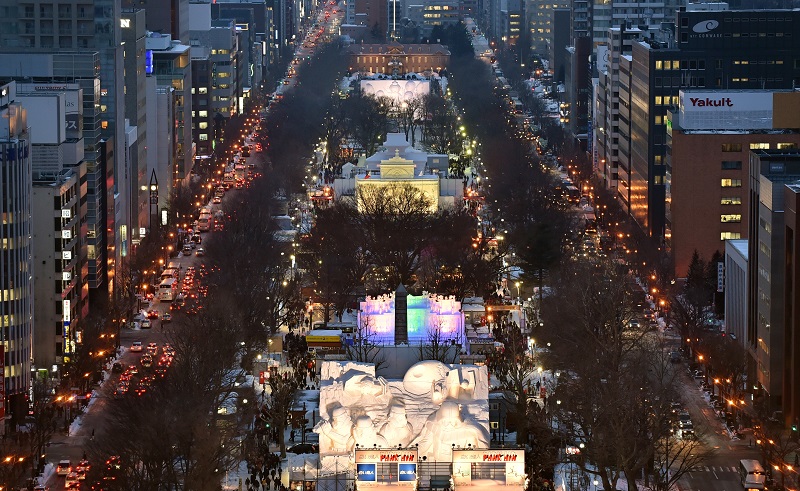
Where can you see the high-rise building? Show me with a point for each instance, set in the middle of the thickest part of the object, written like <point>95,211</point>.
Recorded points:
<point>56,71</point>
<point>540,15</point>
<point>165,16</point>
<point>172,69</point>
<point>713,50</point>
<point>709,139</point>
<point>133,37</point>
<point>16,255</point>
<point>58,167</point>
<point>83,25</point>
<point>791,334</point>
<point>770,171</point>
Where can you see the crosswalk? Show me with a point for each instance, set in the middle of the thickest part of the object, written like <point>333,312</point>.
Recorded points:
<point>713,468</point>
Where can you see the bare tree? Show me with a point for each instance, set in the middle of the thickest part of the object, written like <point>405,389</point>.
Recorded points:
<point>408,117</point>
<point>278,404</point>
<point>439,347</point>
<point>514,367</point>
<point>364,347</point>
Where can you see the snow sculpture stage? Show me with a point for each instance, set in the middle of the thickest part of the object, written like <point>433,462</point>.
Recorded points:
<point>422,316</point>
<point>434,407</point>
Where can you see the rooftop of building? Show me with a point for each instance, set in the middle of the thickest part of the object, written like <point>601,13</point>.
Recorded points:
<point>778,154</point>
<point>397,48</point>
<point>740,245</point>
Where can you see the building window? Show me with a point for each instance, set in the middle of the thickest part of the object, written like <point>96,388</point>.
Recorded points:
<point>732,200</point>
<point>731,183</point>
<point>203,137</point>
<point>202,125</point>
<point>786,146</point>
<point>202,90</point>
<point>730,218</point>
<point>203,114</point>
<point>764,248</point>
<point>731,165</point>
<point>731,147</point>
<point>759,146</point>
<point>104,125</point>
<point>729,235</point>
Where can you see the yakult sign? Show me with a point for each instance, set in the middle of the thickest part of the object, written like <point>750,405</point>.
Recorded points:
<point>726,110</point>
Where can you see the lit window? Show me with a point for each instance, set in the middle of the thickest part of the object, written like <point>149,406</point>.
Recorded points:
<point>203,137</point>
<point>785,146</point>
<point>730,218</point>
<point>729,235</point>
<point>731,183</point>
<point>203,114</point>
<point>732,200</point>
<point>104,125</point>
<point>203,125</point>
<point>759,146</point>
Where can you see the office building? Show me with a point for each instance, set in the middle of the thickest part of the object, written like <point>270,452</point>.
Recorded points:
<point>172,69</point>
<point>16,266</point>
<point>90,26</point>
<point>740,50</point>
<point>557,44</point>
<point>791,301</point>
<point>226,73</point>
<point>162,142</point>
<point>540,15</point>
<point>57,71</point>
<point>133,37</point>
<point>203,117</point>
<point>770,171</point>
<point>709,139</point>
<point>164,16</point>
<point>736,290</point>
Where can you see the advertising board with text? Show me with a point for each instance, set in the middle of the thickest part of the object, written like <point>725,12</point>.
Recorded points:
<point>512,459</point>
<point>386,467</point>
<point>725,109</point>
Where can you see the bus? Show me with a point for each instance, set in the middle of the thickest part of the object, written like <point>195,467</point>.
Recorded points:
<point>170,273</point>
<point>751,474</point>
<point>168,289</point>
<point>205,222</point>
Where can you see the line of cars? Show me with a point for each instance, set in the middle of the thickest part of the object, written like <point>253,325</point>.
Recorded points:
<point>154,363</point>
<point>73,474</point>
<point>682,426</point>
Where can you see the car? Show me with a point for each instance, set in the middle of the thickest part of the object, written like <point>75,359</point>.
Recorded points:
<point>146,324</point>
<point>137,347</point>
<point>152,348</point>
<point>197,239</point>
<point>152,314</point>
<point>41,487</point>
<point>73,485</point>
<point>216,200</point>
<point>200,252</point>
<point>166,317</point>
<point>72,477</point>
<point>118,367</point>
<point>147,361</point>
<point>187,249</point>
<point>63,467</point>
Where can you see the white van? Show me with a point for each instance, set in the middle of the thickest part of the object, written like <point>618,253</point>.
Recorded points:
<point>752,474</point>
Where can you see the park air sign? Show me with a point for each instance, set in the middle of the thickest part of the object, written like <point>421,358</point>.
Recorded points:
<point>380,467</point>
<point>512,461</point>
<point>726,110</point>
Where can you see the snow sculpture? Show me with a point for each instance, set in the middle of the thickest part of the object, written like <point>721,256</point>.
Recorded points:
<point>447,428</point>
<point>397,430</point>
<point>435,406</point>
<point>335,436</point>
<point>365,436</point>
<point>422,377</point>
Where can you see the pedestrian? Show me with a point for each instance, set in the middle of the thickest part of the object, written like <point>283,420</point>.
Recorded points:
<point>291,436</point>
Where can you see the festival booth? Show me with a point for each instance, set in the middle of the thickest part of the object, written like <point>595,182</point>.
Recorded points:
<point>488,469</point>
<point>386,467</point>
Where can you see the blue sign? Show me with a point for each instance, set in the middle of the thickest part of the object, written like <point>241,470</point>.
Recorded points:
<point>366,472</point>
<point>148,61</point>
<point>407,472</point>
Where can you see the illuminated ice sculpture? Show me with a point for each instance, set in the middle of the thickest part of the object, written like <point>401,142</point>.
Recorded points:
<point>435,407</point>
<point>425,315</point>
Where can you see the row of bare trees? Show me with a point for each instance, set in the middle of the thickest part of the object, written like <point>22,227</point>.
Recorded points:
<point>390,235</point>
